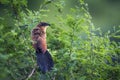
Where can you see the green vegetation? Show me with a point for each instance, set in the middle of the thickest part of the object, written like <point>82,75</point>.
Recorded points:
<point>79,49</point>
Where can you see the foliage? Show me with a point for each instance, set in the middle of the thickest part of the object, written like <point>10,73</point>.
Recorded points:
<point>80,51</point>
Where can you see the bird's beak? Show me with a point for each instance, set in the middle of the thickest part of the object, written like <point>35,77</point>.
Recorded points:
<point>48,24</point>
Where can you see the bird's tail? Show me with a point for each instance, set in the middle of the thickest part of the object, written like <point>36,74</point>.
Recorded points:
<point>44,61</point>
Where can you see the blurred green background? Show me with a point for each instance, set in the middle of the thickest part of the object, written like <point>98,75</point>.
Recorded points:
<point>80,50</point>
<point>105,13</point>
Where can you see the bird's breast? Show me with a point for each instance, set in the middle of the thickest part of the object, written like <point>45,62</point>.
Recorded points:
<point>43,45</point>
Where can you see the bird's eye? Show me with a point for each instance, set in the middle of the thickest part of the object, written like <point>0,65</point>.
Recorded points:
<point>42,32</point>
<point>35,30</point>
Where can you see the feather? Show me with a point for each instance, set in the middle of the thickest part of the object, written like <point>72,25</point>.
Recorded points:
<point>44,61</point>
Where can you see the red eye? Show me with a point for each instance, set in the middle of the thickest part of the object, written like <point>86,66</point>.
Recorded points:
<point>42,32</point>
<point>36,29</point>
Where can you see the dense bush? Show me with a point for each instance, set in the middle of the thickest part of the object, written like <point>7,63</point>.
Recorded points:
<point>80,51</point>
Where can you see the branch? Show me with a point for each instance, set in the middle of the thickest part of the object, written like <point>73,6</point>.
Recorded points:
<point>32,72</point>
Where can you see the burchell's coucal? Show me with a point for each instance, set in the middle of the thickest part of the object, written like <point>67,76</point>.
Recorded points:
<point>44,59</point>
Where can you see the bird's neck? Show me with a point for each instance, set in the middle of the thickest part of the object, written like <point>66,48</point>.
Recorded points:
<point>43,43</point>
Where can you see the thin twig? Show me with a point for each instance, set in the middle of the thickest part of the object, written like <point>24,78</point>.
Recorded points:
<point>32,72</point>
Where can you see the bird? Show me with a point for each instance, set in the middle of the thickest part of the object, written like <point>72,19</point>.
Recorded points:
<point>43,56</point>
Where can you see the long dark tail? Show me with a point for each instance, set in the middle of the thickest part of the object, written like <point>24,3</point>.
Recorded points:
<point>44,61</point>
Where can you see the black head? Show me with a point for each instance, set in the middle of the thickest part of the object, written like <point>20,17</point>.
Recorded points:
<point>43,24</point>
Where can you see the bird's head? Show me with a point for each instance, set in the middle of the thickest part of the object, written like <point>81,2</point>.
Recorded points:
<point>43,26</point>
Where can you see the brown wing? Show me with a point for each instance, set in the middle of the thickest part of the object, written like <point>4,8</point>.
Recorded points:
<point>35,35</point>
<point>39,39</point>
